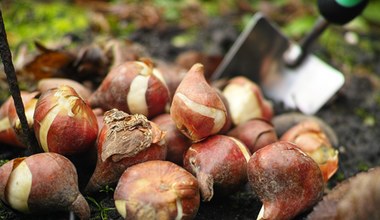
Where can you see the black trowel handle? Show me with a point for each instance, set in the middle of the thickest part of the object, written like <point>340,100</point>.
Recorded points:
<point>341,11</point>
<point>332,11</point>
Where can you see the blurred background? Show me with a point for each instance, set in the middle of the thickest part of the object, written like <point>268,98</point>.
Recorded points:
<point>168,27</point>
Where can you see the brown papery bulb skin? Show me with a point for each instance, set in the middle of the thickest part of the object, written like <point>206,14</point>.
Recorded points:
<point>157,190</point>
<point>123,141</point>
<point>309,136</point>
<point>42,183</point>
<point>246,100</point>
<point>64,123</point>
<point>132,87</point>
<point>197,109</point>
<point>255,134</point>
<point>177,143</point>
<point>220,164</point>
<point>286,180</point>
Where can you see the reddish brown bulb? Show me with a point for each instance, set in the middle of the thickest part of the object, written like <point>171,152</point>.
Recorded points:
<point>124,140</point>
<point>42,183</point>
<point>177,143</point>
<point>255,134</point>
<point>171,73</point>
<point>157,190</point>
<point>64,123</point>
<point>132,87</point>
<point>219,163</point>
<point>51,83</point>
<point>285,179</point>
<point>197,109</point>
<point>30,101</point>
<point>10,127</point>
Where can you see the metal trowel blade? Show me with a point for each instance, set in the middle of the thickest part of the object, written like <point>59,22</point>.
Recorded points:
<point>258,55</point>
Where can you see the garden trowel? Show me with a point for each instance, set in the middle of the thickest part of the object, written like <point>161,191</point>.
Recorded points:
<point>285,71</point>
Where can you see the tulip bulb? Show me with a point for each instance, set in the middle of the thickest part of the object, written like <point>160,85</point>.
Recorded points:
<point>42,183</point>
<point>64,123</point>
<point>10,127</point>
<point>157,190</point>
<point>132,87</point>
<point>246,100</point>
<point>177,143</point>
<point>51,83</point>
<point>171,73</point>
<point>197,109</point>
<point>286,180</point>
<point>283,122</point>
<point>255,133</point>
<point>220,164</point>
<point>309,136</point>
<point>124,140</point>
<point>30,101</point>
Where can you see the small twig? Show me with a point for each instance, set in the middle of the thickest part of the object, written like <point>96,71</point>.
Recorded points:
<point>14,89</point>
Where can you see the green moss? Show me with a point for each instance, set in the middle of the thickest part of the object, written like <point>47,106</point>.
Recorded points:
<point>2,162</point>
<point>212,9</point>
<point>335,179</point>
<point>171,9</point>
<point>186,38</point>
<point>371,12</point>
<point>363,167</point>
<point>298,27</point>
<point>27,21</point>
<point>244,21</point>
<point>339,176</point>
<point>377,98</point>
<point>368,118</point>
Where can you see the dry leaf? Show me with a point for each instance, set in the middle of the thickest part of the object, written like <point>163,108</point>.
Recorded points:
<point>49,63</point>
<point>356,198</point>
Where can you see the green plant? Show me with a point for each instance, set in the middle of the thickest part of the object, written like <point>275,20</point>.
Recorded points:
<point>4,214</point>
<point>100,208</point>
<point>107,189</point>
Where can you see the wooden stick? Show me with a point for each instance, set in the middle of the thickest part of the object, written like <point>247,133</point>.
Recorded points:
<point>14,89</point>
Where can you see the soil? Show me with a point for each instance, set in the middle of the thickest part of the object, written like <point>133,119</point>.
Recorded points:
<point>352,113</point>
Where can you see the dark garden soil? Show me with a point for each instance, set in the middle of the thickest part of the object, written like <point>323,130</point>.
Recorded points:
<point>353,114</point>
